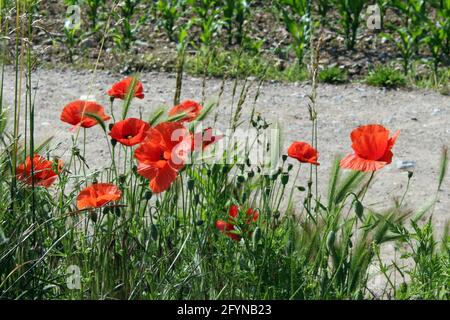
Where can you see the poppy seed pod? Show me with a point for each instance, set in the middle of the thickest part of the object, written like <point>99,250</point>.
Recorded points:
<point>284,178</point>
<point>196,199</point>
<point>113,142</point>
<point>190,184</point>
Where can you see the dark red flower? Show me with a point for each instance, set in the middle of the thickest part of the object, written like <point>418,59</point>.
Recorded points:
<point>228,227</point>
<point>190,107</point>
<point>45,173</point>
<point>130,131</point>
<point>77,113</point>
<point>120,89</point>
<point>303,152</point>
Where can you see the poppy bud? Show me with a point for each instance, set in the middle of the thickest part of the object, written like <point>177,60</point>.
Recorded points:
<point>241,179</point>
<point>134,169</point>
<point>113,142</point>
<point>284,179</point>
<point>148,195</point>
<point>284,157</point>
<point>359,209</point>
<point>111,99</point>
<point>256,236</point>
<point>301,188</point>
<point>111,125</point>
<point>247,162</point>
<point>154,232</point>
<point>93,215</point>
<point>244,196</point>
<point>290,166</point>
<point>106,210</point>
<point>310,184</point>
<point>196,199</point>
<point>94,181</point>
<point>117,211</point>
<point>276,214</point>
<point>410,174</point>
<point>190,184</point>
<point>122,178</point>
<point>330,241</point>
<point>199,222</point>
<point>251,174</point>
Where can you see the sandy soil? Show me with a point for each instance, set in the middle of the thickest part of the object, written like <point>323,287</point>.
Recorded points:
<point>422,116</point>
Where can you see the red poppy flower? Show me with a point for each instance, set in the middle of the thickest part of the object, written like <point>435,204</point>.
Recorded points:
<point>372,147</point>
<point>44,173</point>
<point>162,154</point>
<point>97,195</point>
<point>77,113</point>
<point>120,89</point>
<point>190,107</point>
<point>201,140</point>
<point>130,131</point>
<point>303,152</point>
<point>228,228</point>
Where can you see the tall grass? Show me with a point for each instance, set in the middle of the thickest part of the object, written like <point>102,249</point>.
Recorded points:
<point>166,245</point>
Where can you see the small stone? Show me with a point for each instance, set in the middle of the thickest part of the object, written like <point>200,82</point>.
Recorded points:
<point>405,165</point>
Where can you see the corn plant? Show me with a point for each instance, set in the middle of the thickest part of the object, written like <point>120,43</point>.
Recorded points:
<point>406,41</point>
<point>125,29</point>
<point>323,6</point>
<point>93,7</point>
<point>72,32</point>
<point>297,22</point>
<point>169,12</point>
<point>443,14</point>
<point>235,13</point>
<point>207,17</point>
<point>350,19</point>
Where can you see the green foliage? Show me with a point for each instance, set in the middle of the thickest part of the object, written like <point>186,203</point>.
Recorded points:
<point>350,19</point>
<point>387,77</point>
<point>125,29</point>
<point>333,75</point>
<point>235,13</point>
<point>207,17</point>
<point>168,13</point>
<point>93,7</point>
<point>297,22</point>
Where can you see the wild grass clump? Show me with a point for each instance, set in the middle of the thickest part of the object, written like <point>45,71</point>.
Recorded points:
<point>334,75</point>
<point>386,77</point>
<point>181,210</point>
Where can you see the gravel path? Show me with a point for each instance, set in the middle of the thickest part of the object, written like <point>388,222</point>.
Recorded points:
<point>422,116</point>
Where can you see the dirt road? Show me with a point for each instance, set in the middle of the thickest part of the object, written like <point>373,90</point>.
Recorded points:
<point>422,116</point>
